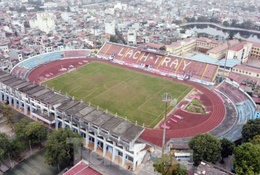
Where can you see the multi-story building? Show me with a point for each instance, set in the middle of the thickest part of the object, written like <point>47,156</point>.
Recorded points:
<point>240,51</point>
<point>182,47</point>
<point>246,70</point>
<point>112,135</point>
<point>131,37</point>
<point>255,51</point>
<point>220,51</point>
<point>4,45</point>
<point>43,21</point>
<point>110,28</point>
<point>205,44</point>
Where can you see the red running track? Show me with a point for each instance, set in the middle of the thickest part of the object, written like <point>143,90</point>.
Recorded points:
<point>194,124</point>
<point>37,75</point>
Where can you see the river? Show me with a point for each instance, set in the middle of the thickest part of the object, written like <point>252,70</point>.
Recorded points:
<point>214,31</point>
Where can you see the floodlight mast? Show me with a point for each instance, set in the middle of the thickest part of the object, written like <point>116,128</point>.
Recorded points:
<point>166,97</point>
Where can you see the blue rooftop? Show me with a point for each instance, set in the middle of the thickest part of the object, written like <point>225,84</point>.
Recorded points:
<point>230,63</point>
<point>203,58</point>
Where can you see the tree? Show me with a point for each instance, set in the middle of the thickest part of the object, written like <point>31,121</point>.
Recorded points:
<point>255,140</point>
<point>205,147</point>
<point>203,19</point>
<point>167,165</point>
<point>177,22</point>
<point>192,19</point>
<point>20,129</point>
<point>181,170</point>
<point>8,113</point>
<point>58,150</point>
<point>15,148</point>
<point>22,9</point>
<point>163,165</point>
<point>251,129</point>
<point>35,132</point>
<point>4,144</point>
<point>227,148</point>
<point>226,23</point>
<point>113,39</point>
<point>246,159</point>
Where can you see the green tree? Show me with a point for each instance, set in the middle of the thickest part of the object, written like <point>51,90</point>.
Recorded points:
<point>20,130</point>
<point>246,159</point>
<point>205,147</point>
<point>163,165</point>
<point>58,150</point>
<point>251,129</point>
<point>203,19</point>
<point>15,148</point>
<point>181,170</point>
<point>167,165</point>
<point>227,148</point>
<point>9,114</point>
<point>35,132</point>
<point>113,39</point>
<point>226,24</point>
<point>255,140</point>
<point>4,144</point>
<point>177,22</point>
<point>192,19</point>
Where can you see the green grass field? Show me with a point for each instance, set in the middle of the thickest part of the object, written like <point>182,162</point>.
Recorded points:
<point>128,93</point>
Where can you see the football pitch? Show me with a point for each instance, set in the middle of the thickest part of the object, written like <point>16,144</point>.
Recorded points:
<point>131,94</point>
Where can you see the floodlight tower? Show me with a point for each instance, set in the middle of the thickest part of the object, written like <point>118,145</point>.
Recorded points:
<point>166,97</point>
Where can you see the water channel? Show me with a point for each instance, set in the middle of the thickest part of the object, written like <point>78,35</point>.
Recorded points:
<point>222,33</point>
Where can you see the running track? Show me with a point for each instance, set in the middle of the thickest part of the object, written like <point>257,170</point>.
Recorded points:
<point>154,136</point>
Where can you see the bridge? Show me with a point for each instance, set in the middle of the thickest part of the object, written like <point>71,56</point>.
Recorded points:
<point>220,26</point>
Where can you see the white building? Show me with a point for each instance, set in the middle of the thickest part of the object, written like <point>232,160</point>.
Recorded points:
<point>4,45</point>
<point>240,51</point>
<point>131,37</point>
<point>120,6</point>
<point>110,28</point>
<point>43,21</point>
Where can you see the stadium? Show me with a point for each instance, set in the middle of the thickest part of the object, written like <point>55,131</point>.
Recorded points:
<point>113,98</point>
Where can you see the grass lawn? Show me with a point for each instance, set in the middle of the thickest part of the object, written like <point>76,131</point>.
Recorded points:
<point>196,106</point>
<point>128,93</point>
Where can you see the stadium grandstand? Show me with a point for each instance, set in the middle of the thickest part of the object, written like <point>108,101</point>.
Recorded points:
<point>101,130</point>
<point>22,69</point>
<point>244,105</point>
<point>222,121</point>
<point>159,61</point>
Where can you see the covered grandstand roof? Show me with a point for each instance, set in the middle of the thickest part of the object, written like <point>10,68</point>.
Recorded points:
<point>230,62</point>
<point>204,58</point>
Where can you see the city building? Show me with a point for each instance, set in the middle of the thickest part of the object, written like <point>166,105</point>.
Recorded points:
<point>182,47</point>
<point>240,51</point>
<point>131,37</point>
<point>43,21</point>
<point>205,44</point>
<point>246,70</point>
<point>110,28</point>
<point>255,51</point>
<point>220,51</point>
<point>4,45</point>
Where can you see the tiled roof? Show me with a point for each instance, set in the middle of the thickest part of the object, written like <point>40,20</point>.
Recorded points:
<point>81,168</point>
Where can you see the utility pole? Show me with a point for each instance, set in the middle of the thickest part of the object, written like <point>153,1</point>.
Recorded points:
<point>166,97</point>
<point>228,44</point>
